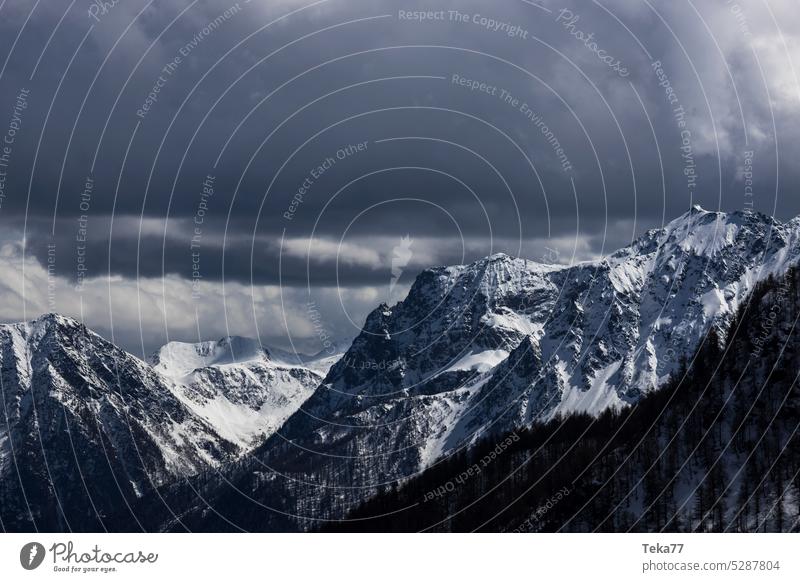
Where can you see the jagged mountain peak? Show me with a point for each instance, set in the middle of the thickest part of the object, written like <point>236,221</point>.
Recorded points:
<point>698,217</point>
<point>496,258</point>
<point>57,319</point>
<point>504,262</point>
<point>490,277</point>
<point>708,234</point>
<point>47,322</point>
<point>55,335</point>
<point>180,358</point>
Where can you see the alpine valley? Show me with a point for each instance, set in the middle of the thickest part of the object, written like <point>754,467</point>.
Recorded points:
<point>230,435</point>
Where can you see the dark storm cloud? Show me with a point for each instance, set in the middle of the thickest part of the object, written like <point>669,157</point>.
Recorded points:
<point>474,126</point>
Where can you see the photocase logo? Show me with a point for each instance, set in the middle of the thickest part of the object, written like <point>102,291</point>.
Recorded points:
<point>401,256</point>
<point>31,555</point>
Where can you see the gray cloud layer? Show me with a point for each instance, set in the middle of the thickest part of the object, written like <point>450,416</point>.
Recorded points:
<point>474,122</point>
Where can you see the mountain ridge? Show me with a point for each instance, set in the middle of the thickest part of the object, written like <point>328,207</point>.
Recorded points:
<point>473,350</point>
<point>608,331</point>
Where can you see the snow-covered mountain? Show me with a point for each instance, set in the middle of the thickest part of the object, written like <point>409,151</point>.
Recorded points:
<point>85,421</point>
<point>504,341</point>
<point>86,427</point>
<point>243,389</point>
<point>498,344</point>
<point>715,450</point>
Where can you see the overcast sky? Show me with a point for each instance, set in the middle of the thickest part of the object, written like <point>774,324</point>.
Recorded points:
<point>178,169</point>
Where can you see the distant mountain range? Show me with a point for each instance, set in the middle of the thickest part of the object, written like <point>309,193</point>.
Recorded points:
<point>227,434</point>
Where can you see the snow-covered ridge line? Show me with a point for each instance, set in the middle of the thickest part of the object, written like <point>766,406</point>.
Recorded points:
<point>505,342</point>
